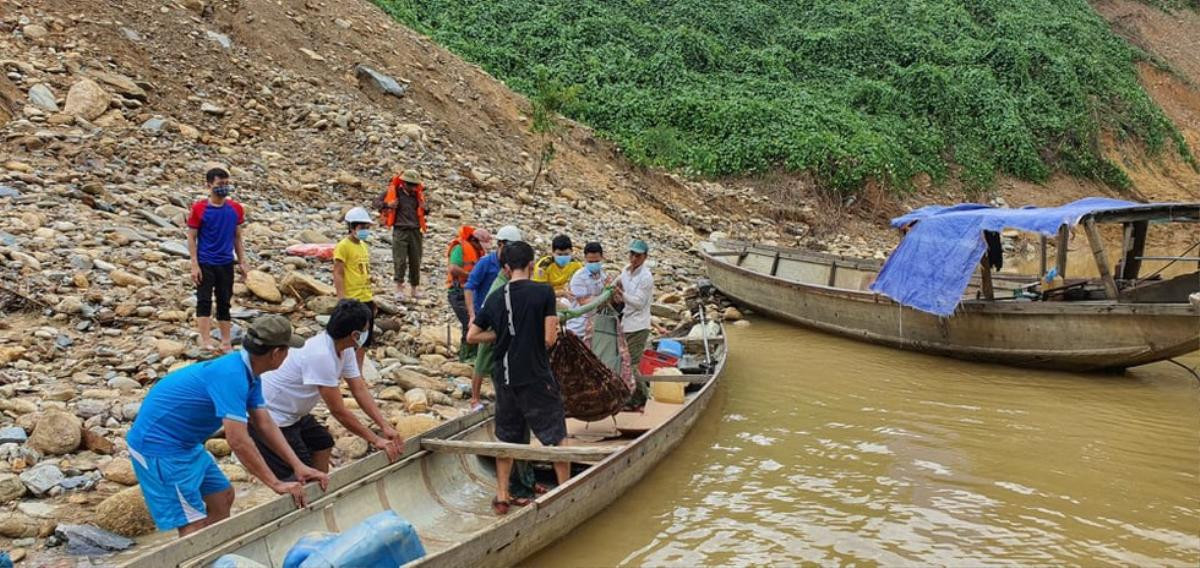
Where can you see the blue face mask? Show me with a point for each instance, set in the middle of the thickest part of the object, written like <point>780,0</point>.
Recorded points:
<point>223,190</point>
<point>562,260</point>
<point>595,267</point>
<point>362,234</point>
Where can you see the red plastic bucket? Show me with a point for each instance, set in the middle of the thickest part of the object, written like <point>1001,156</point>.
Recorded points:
<point>652,360</point>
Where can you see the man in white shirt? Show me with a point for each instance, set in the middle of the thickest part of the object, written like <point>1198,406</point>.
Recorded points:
<point>313,373</point>
<point>635,288</point>
<point>587,283</point>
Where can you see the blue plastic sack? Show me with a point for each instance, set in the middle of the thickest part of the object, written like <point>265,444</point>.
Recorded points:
<point>305,547</point>
<point>385,539</point>
<point>670,347</point>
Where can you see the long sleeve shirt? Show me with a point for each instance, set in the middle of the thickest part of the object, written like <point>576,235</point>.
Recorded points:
<point>638,290</point>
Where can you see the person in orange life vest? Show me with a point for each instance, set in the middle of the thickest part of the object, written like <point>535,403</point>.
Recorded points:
<point>403,208</point>
<point>463,252</point>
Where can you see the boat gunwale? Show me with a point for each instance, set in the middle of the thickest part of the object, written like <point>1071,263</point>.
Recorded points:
<point>209,544</point>
<point>690,409</point>
<point>983,307</point>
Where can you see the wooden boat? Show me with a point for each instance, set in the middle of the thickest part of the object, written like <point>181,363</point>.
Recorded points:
<point>1118,321</point>
<point>444,484</point>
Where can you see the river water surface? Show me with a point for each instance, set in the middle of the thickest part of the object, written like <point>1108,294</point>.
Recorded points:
<point>822,450</point>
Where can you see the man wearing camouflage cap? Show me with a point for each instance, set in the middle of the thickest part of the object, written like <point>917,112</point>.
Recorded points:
<point>181,483</point>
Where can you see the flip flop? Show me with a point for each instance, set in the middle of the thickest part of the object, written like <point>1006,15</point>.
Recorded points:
<point>500,508</point>
<point>520,501</point>
<point>541,488</point>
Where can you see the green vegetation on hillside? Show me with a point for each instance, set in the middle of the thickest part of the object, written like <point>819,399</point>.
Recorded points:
<point>849,90</point>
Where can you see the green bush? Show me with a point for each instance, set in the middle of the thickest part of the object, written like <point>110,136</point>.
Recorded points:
<point>848,90</point>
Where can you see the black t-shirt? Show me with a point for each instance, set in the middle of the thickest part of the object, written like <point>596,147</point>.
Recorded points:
<point>520,358</point>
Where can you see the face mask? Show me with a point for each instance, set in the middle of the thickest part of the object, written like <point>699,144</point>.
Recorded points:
<point>362,338</point>
<point>595,267</point>
<point>222,190</point>
<point>562,260</point>
<point>362,234</point>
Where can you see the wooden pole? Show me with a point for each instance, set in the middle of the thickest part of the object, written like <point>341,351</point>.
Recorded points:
<point>1110,285</point>
<point>1042,260</point>
<point>1134,249</point>
<point>1060,264</point>
<point>521,451</point>
<point>985,273</point>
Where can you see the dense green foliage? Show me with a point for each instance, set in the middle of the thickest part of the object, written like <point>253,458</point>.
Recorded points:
<point>849,90</point>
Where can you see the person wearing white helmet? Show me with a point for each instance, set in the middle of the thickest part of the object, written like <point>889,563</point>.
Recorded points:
<point>482,280</point>
<point>352,269</point>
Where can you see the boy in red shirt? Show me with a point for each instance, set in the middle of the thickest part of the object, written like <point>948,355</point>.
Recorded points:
<point>214,236</point>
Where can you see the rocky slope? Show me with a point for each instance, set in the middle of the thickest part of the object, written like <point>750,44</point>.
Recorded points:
<point>108,119</point>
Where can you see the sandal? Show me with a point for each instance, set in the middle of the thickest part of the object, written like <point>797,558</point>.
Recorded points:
<point>500,508</point>
<point>520,501</point>
<point>541,488</point>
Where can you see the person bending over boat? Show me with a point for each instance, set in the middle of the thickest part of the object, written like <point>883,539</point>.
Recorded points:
<point>522,321</point>
<point>313,373</point>
<point>181,483</point>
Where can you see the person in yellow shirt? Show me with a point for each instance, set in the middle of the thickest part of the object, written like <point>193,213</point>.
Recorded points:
<point>352,271</point>
<point>558,268</point>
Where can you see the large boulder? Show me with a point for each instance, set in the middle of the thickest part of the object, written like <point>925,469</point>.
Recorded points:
<point>90,540</point>
<point>19,525</point>
<point>263,285</point>
<point>123,278</point>
<point>41,479</point>
<point>125,513</point>
<point>416,400</point>
<point>42,97</point>
<point>352,447</point>
<point>305,285</point>
<point>56,433</point>
<point>87,100</point>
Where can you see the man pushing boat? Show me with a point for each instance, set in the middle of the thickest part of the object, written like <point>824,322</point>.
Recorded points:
<point>181,483</point>
<point>522,321</point>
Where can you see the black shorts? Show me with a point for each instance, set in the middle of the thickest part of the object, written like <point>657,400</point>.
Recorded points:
<point>537,406</point>
<point>306,437</point>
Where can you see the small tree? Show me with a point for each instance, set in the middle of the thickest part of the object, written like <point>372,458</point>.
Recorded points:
<point>549,100</point>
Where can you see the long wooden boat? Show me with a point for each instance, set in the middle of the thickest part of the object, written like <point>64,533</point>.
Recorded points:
<point>1142,322</point>
<point>444,484</point>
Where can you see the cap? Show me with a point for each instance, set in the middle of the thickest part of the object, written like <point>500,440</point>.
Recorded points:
<point>411,176</point>
<point>358,215</point>
<point>509,233</point>
<point>639,246</point>
<point>274,331</point>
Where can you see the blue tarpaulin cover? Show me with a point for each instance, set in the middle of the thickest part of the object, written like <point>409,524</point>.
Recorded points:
<point>931,268</point>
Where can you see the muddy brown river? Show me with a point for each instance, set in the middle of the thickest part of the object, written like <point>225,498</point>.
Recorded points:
<point>823,450</point>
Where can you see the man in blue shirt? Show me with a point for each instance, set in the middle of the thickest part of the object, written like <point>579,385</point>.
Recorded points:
<point>479,284</point>
<point>214,237</point>
<point>181,483</point>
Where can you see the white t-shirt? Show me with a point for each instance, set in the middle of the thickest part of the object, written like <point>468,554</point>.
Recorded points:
<point>292,391</point>
<point>584,284</point>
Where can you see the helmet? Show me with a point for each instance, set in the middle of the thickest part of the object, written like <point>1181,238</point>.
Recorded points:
<point>411,176</point>
<point>508,233</point>
<point>358,215</point>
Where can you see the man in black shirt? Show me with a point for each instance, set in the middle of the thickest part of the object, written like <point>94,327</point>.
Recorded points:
<point>521,319</point>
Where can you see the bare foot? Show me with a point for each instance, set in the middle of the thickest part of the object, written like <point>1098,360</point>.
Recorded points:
<point>226,347</point>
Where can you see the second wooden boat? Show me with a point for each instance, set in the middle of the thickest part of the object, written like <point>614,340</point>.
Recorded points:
<point>1110,323</point>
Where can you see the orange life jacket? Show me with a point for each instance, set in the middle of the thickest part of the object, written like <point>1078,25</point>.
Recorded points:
<point>387,217</point>
<point>471,255</point>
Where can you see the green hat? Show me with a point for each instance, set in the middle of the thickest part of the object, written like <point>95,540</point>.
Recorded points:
<point>274,331</point>
<point>639,246</point>
<point>411,176</point>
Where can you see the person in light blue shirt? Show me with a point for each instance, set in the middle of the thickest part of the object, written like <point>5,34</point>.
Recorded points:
<point>181,483</point>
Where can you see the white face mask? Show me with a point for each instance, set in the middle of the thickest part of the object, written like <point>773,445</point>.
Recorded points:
<point>362,338</point>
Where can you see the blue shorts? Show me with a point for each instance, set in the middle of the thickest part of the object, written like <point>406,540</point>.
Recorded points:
<point>174,487</point>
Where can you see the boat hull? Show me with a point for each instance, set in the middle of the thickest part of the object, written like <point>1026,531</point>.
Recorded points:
<point>1070,336</point>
